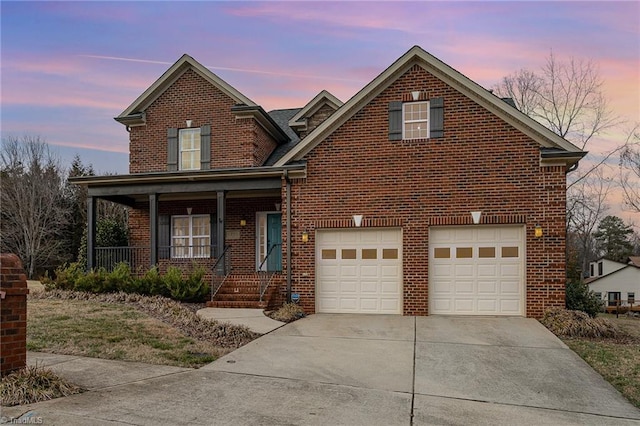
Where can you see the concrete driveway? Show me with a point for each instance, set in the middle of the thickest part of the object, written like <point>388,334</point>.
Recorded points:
<point>368,370</point>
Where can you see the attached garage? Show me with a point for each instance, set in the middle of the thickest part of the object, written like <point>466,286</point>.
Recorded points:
<point>477,270</point>
<point>359,271</point>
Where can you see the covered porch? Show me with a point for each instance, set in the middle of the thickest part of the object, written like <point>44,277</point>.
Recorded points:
<point>233,223</point>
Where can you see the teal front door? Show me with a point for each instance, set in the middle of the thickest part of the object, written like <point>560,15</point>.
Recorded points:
<point>274,241</point>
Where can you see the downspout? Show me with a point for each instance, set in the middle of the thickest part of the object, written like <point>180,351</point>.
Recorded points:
<point>289,239</point>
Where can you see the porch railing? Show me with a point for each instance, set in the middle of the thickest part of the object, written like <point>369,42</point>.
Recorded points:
<point>139,258</point>
<point>220,271</point>
<point>136,257</point>
<point>265,275</point>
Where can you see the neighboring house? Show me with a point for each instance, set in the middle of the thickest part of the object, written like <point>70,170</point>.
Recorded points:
<point>422,194</point>
<point>620,282</point>
<point>602,267</point>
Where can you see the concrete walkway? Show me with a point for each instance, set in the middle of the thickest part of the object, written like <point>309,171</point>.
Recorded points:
<point>254,319</point>
<point>356,370</point>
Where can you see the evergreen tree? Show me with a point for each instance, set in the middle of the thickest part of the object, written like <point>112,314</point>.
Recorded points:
<point>613,239</point>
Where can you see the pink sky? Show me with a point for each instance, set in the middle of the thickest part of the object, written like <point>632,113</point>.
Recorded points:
<point>68,68</point>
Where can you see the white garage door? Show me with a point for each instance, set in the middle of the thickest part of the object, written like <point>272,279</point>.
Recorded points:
<point>476,270</point>
<point>359,271</point>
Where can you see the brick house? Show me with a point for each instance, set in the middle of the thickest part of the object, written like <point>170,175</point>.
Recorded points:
<point>422,194</point>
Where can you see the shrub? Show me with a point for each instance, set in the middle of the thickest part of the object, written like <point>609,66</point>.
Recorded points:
<point>33,384</point>
<point>94,281</point>
<point>580,298</point>
<point>191,289</point>
<point>568,323</point>
<point>287,313</point>
<point>65,277</point>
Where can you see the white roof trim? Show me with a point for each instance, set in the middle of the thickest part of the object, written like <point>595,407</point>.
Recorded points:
<point>321,99</point>
<point>172,74</point>
<point>417,55</point>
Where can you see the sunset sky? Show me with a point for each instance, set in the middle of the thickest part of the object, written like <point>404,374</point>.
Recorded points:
<point>68,68</point>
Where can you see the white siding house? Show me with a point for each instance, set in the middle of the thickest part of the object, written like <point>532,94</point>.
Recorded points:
<point>620,284</point>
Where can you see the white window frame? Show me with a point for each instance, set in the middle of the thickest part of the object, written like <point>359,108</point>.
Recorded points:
<point>196,159</point>
<point>406,121</point>
<point>189,251</point>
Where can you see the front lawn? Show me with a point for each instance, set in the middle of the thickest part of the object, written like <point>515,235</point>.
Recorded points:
<point>127,327</point>
<point>616,359</point>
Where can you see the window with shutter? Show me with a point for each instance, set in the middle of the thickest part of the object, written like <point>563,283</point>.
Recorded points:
<point>416,120</point>
<point>189,148</point>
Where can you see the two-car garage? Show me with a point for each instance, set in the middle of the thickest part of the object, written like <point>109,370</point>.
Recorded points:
<point>473,270</point>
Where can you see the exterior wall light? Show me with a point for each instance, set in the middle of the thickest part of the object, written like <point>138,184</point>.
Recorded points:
<point>537,231</point>
<point>305,236</point>
<point>243,222</point>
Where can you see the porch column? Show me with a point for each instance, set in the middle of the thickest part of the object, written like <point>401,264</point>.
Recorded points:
<point>153,228</point>
<point>220,229</point>
<point>91,232</point>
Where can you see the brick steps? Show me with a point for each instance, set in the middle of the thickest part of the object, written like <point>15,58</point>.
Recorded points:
<point>243,291</point>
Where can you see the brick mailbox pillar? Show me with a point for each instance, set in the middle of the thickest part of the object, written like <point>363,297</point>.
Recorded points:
<point>13,314</point>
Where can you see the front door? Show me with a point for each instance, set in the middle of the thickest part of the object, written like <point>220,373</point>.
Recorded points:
<point>274,242</point>
<point>269,241</point>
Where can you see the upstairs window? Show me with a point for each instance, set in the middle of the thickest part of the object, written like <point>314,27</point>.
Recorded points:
<point>189,149</point>
<point>415,120</point>
<point>600,271</point>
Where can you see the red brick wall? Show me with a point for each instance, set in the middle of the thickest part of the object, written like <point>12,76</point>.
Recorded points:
<point>317,118</point>
<point>13,314</point>
<point>481,163</point>
<point>234,142</point>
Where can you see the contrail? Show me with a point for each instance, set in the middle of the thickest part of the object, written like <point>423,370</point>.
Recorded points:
<point>147,61</point>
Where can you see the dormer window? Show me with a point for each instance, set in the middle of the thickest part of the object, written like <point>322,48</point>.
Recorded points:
<point>189,148</point>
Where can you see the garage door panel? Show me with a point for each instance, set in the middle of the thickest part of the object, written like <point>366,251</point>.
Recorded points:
<point>487,306</point>
<point>463,287</point>
<point>368,270</point>
<point>462,271</point>
<point>487,287</point>
<point>477,270</point>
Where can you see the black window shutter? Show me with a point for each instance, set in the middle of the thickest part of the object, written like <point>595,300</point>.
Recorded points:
<point>164,236</point>
<point>172,149</point>
<point>436,117</point>
<point>395,121</point>
<point>205,147</point>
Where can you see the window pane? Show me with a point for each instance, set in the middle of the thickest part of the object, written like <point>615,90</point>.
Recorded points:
<point>328,254</point>
<point>442,253</point>
<point>369,253</point>
<point>389,253</point>
<point>509,251</point>
<point>189,149</point>
<point>487,252</point>
<point>348,253</point>
<point>464,252</point>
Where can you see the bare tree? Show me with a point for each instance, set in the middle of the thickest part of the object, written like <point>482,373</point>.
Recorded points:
<point>630,169</point>
<point>34,214</point>
<point>565,96</point>
<point>586,207</point>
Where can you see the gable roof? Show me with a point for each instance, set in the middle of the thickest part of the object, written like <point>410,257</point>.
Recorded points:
<point>568,153</point>
<point>594,279</point>
<point>134,114</point>
<point>321,99</point>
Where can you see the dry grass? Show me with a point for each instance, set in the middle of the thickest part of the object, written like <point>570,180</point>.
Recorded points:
<point>127,327</point>
<point>287,313</point>
<point>33,384</point>
<point>615,355</point>
<point>566,323</point>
